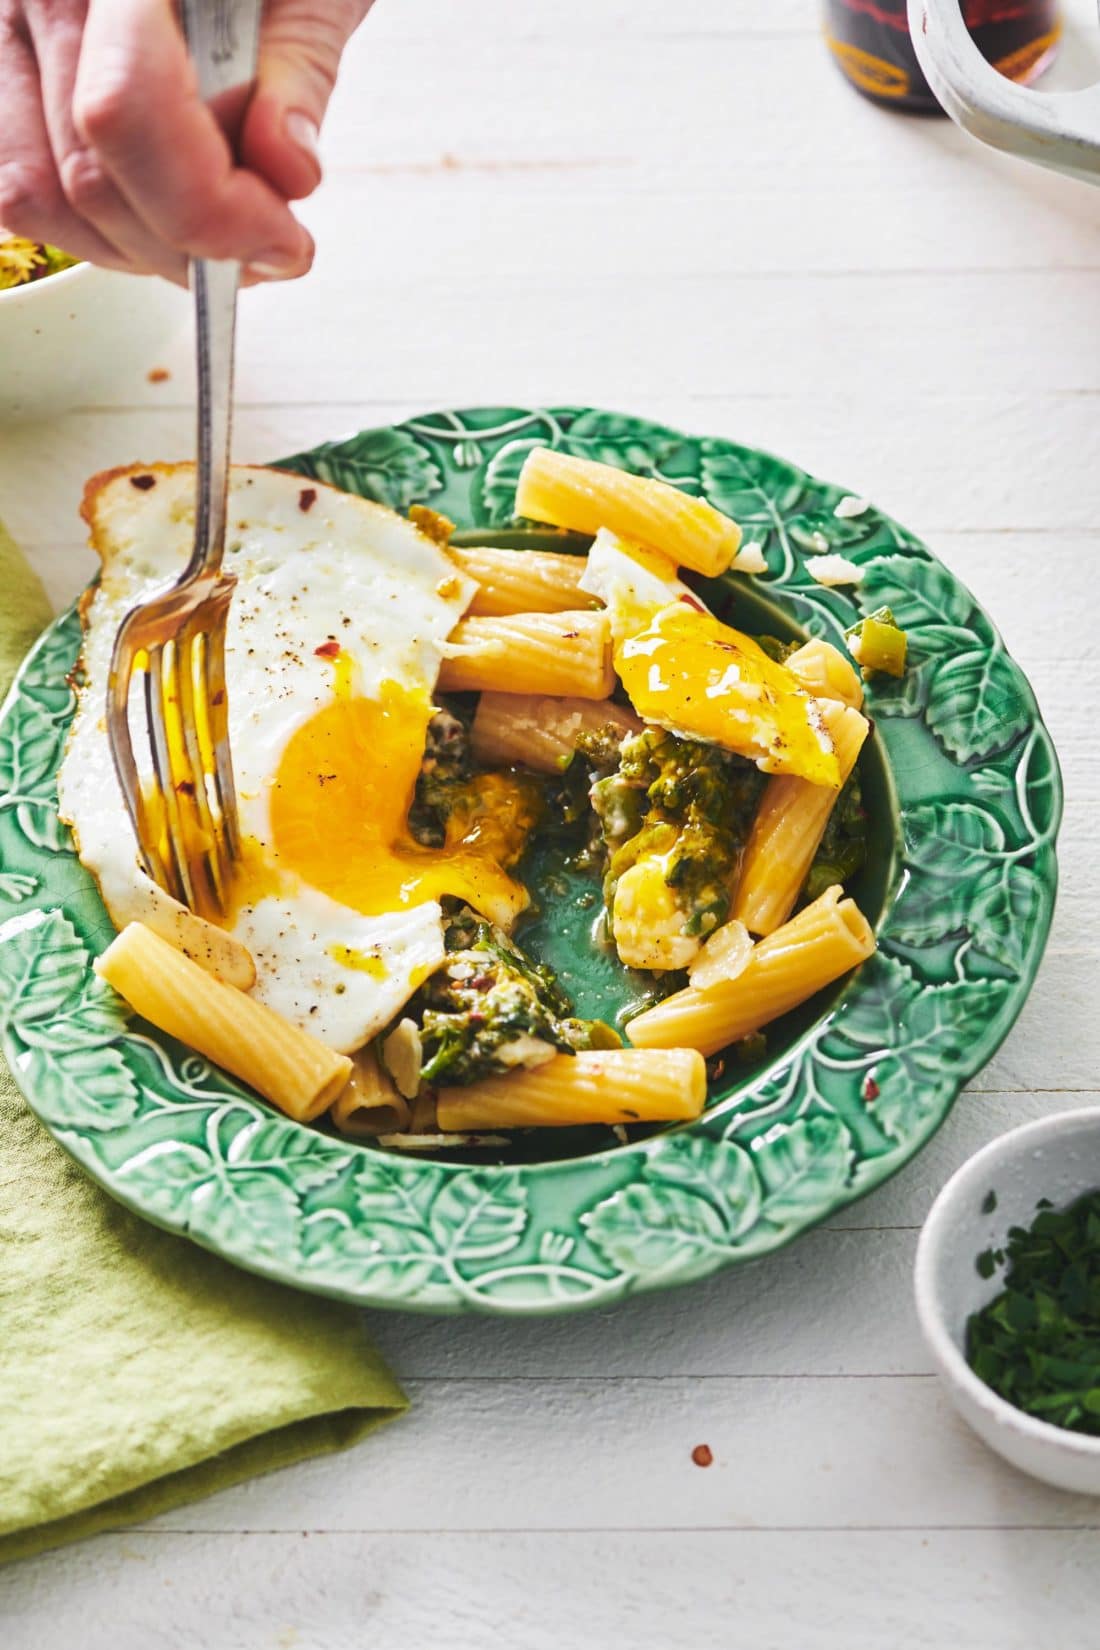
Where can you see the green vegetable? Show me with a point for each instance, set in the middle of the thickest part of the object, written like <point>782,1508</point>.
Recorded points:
<point>689,803</point>
<point>477,1013</point>
<point>1037,1343</point>
<point>843,847</point>
<point>879,644</point>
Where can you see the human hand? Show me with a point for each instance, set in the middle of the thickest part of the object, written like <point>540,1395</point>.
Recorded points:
<point>107,151</point>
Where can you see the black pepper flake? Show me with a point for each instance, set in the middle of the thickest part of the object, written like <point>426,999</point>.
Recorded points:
<point>143,483</point>
<point>185,787</point>
<point>307,498</point>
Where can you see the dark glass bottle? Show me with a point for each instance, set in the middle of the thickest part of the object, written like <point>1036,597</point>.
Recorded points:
<point>870,41</point>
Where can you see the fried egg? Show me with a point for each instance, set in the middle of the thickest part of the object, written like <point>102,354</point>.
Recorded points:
<point>334,639</point>
<point>684,670</point>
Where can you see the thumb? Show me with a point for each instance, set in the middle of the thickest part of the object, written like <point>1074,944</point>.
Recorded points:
<point>301,43</point>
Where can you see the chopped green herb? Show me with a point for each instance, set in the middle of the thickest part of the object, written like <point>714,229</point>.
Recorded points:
<point>490,1009</point>
<point>689,804</point>
<point>1037,1343</point>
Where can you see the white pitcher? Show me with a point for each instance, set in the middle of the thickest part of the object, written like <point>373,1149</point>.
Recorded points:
<point>1056,129</point>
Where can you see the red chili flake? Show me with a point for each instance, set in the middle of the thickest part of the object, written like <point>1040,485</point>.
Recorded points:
<point>143,483</point>
<point>691,601</point>
<point>218,698</point>
<point>871,1090</point>
<point>307,498</point>
<point>477,1019</point>
<point>480,982</point>
<point>328,650</point>
<point>186,787</point>
<point>569,635</point>
<point>158,375</point>
<point>702,1455</point>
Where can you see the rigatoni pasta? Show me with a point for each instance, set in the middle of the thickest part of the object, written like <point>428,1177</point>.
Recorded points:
<point>538,731</point>
<point>613,1086</point>
<point>582,494</point>
<point>824,941</point>
<point>824,670</point>
<point>287,1066</point>
<point>369,1104</point>
<point>522,581</point>
<point>559,653</point>
<point>788,828</point>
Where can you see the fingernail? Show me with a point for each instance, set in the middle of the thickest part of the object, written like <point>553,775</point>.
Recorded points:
<point>303,131</point>
<point>278,265</point>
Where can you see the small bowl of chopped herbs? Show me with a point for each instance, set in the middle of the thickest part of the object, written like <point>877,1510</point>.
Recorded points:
<point>72,334</point>
<point>1008,1294</point>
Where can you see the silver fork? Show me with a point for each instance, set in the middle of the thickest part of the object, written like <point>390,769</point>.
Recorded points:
<point>186,822</point>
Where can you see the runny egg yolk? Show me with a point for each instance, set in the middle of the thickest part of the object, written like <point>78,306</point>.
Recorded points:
<point>690,673</point>
<point>339,803</point>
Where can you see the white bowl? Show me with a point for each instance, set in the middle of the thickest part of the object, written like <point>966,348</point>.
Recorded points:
<point>67,339</point>
<point>1056,1158</point>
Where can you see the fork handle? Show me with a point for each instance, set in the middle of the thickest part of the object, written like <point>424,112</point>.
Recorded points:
<point>223,39</point>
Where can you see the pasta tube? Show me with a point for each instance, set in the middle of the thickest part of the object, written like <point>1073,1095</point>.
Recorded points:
<point>790,822</point>
<point>825,672</point>
<point>370,1104</point>
<point>620,1085</point>
<point>522,581</point>
<point>558,653</point>
<point>808,953</point>
<point>287,1066</point>
<point>523,729</point>
<point>584,495</point>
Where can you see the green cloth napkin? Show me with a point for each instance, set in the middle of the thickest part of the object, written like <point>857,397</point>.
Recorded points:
<point>137,1371</point>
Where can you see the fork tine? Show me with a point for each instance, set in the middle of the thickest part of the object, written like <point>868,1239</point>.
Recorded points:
<point>217,709</point>
<point>161,682</point>
<point>191,644</point>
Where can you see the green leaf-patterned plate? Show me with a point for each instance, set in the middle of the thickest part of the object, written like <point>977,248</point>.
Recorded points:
<point>963,787</point>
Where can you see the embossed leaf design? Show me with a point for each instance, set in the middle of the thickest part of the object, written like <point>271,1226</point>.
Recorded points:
<point>615,438</point>
<point>14,886</point>
<point>975,705</point>
<point>307,1158</point>
<point>29,757</point>
<point>874,1019</point>
<point>393,1193</point>
<point>804,1168</point>
<point>479,1216</point>
<point>841,533</point>
<point>41,827</point>
<point>396,1260</point>
<point>946,838</point>
<point>261,1202</point>
<point>1003,910</point>
<point>44,969</point>
<point>390,466</point>
<point>79,1087</point>
<point>716,1169</point>
<point>165,1178</point>
<point>649,1228</point>
<point>498,481</point>
<point>758,491</point>
<point>97,1015</point>
<point>919,592</point>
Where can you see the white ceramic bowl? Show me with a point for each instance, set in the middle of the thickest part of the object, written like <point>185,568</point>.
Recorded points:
<point>1057,1158</point>
<point>70,338</point>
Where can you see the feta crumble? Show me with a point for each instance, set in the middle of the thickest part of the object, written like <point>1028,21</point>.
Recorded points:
<point>750,559</point>
<point>852,506</point>
<point>833,570</point>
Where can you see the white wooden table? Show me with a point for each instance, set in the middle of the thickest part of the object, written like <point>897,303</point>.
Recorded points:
<point>674,207</point>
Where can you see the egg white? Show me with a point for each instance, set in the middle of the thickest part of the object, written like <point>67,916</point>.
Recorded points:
<point>309,570</point>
